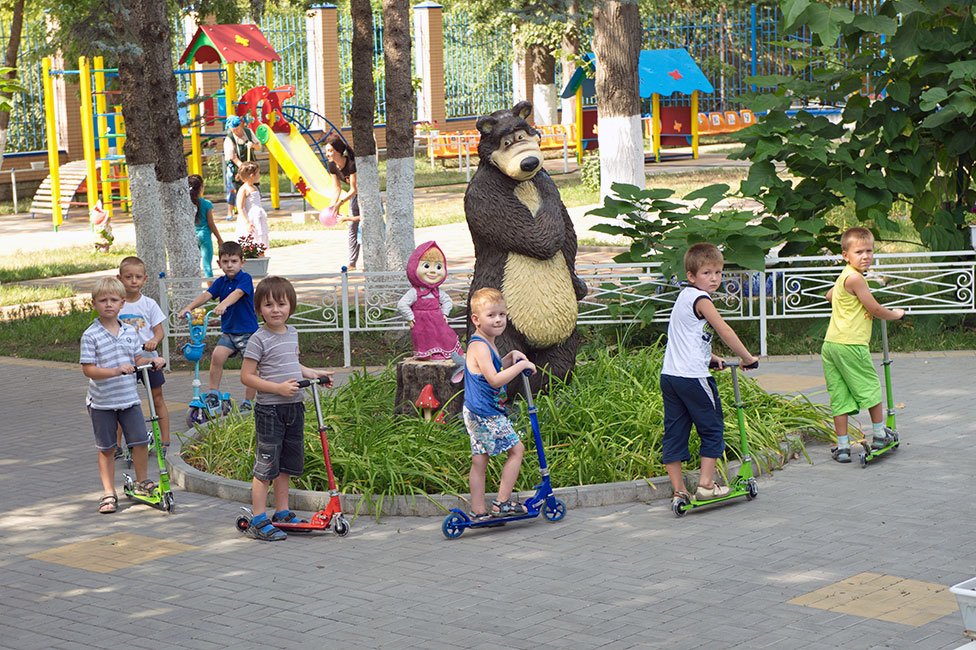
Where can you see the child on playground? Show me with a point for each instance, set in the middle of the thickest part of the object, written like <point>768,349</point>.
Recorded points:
<point>204,224</point>
<point>272,368</point>
<point>144,315</point>
<point>110,352</point>
<point>234,293</point>
<point>251,217</point>
<point>485,376</point>
<point>689,392</point>
<point>852,381</point>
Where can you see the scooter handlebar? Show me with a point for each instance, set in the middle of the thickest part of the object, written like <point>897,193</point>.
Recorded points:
<point>149,366</point>
<point>734,364</point>
<point>321,381</point>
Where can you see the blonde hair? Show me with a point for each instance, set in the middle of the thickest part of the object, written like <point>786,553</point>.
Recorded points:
<point>852,235</point>
<point>485,296</point>
<point>108,286</point>
<point>247,170</point>
<point>433,254</point>
<point>131,260</point>
<point>701,254</point>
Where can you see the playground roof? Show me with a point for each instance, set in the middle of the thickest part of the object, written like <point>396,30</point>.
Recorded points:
<point>660,71</point>
<point>229,44</point>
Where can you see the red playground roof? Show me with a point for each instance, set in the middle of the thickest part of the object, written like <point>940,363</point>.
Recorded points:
<point>229,44</point>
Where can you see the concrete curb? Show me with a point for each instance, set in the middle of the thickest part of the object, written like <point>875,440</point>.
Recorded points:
<point>429,505</point>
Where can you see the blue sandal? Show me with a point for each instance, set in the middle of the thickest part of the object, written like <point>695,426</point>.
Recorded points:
<point>287,517</point>
<point>507,509</point>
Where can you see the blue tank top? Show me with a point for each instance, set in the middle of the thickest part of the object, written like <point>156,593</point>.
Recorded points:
<point>479,396</point>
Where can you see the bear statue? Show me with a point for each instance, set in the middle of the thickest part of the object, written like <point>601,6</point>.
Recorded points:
<point>524,244</point>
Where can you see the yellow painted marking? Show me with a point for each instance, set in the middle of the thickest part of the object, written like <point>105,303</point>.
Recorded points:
<point>112,552</point>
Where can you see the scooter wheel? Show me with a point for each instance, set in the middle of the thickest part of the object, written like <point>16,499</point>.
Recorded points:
<point>752,489</point>
<point>225,407</point>
<point>863,459</point>
<point>243,523</point>
<point>195,416</point>
<point>341,526</point>
<point>452,527</point>
<point>678,507</point>
<point>169,503</point>
<point>554,512</point>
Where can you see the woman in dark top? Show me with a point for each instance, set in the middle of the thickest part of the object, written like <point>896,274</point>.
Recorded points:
<point>342,166</point>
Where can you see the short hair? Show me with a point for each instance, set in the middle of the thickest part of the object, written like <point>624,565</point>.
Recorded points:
<point>857,233</point>
<point>701,254</point>
<point>230,248</point>
<point>275,287</point>
<point>246,170</point>
<point>108,286</point>
<point>131,260</point>
<point>486,296</point>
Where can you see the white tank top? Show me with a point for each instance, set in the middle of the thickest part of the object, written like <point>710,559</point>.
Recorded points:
<point>689,347</point>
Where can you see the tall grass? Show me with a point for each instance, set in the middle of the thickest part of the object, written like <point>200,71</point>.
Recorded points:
<point>605,426</point>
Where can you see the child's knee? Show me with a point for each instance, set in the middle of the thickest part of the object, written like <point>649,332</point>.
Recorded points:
<point>518,451</point>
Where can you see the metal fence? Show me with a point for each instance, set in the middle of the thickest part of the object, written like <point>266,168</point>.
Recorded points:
<point>477,68</point>
<point>27,128</point>
<point>347,304</point>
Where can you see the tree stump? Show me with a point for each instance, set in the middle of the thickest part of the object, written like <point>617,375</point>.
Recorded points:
<point>413,375</point>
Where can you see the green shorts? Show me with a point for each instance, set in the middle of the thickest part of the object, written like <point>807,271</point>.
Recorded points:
<point>852,381</point>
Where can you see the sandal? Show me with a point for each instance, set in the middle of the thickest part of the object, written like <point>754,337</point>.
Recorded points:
<point>507,509</point>
<point>108,504</point>
<point>478,517</point>
<point>287,517</point>
<point>144,488</point>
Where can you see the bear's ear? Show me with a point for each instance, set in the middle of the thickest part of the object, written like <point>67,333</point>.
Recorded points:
<point>522,110</point>
<point>486,124</point>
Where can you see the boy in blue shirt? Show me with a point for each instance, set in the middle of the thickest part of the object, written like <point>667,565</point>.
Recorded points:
<point>235,295</point>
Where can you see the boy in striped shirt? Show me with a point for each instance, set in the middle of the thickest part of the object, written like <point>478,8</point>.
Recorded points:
<point>110,352</point>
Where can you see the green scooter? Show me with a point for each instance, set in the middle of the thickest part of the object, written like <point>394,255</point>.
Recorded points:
<point>744,484</point>
<point>162,496</point>
<point>870,453</point>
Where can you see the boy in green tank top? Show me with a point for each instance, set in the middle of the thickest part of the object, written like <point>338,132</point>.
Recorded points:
<point>852,381</point>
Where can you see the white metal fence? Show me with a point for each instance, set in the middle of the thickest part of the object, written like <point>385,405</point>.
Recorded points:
<point>348,303</point>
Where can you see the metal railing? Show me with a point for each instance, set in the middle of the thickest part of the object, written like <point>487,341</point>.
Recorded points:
<point>348,303</point>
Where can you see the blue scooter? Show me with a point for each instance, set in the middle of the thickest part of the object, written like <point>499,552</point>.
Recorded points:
<point>543,501</point>
<point>202,408</point>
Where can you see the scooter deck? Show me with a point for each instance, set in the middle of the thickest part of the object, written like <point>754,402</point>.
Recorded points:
<point>872,454</point>
<point>747,488</point>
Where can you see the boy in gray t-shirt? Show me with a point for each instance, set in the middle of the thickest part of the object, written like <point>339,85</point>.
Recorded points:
<point>271,367</point>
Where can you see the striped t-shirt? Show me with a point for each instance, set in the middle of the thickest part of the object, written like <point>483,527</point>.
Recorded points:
<point>277,357</point>
<point>105,350</point>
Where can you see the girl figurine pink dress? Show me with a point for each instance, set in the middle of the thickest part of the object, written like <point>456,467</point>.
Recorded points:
<point>426,308</point>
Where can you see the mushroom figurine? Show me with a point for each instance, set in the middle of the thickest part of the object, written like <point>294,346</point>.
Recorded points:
<point>427,403</point>
<point>440,419</point>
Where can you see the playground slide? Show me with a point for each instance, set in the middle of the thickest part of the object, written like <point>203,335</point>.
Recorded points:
<point>300,164</point>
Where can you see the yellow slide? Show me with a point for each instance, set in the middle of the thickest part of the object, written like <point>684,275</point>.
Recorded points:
<point>300,164</point>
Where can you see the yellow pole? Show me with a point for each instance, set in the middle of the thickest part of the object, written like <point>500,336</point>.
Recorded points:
<point>656,125</point>
<point>87,130</point>
<point>124,198</point>
<point>196,162</point>
<point>694,124</point>
<point>51,127</point>
<point>230,90</point>
<point>272,165</point>
<point>579,125</point>
<point>101,107</point>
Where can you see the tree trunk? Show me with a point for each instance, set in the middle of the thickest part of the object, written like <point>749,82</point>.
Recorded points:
<point>570,51</point>
<point>361,118</point>
<point>10,61</point>
<point>138,99</point>
<point>616,43</point>
<point>543,84</point>
<point>399,133</point>
<point>171,171</point>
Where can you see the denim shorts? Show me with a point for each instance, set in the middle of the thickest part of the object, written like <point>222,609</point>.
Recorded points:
<point>489,435</point>
<point>279,433</point>
<point>236,342</point>
<point>106,423</point>
<point>687,401</point>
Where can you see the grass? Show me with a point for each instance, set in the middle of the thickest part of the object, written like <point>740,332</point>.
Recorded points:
<point>17,294</point>
<point>53,263</point>
<point>603,427</point>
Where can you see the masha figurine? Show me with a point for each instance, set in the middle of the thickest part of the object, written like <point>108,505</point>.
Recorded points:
<point>426,308</point>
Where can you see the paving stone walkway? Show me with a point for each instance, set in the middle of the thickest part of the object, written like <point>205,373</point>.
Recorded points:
<point>879,543</point>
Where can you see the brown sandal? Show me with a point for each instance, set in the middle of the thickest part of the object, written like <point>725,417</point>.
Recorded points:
<point>108,504</point>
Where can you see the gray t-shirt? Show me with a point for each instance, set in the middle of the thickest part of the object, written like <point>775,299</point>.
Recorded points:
<point>277,357</point>
<point>106,350</point>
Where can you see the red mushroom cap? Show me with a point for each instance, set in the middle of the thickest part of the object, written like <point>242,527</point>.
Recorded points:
<point>440,419</point>
<point>427,399</point>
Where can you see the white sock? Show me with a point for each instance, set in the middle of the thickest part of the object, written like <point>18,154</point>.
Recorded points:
<point>877,428</point>
<point>843,442</point>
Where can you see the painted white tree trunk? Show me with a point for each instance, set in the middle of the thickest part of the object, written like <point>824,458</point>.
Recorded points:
<point>181,241</point>
<point>371,209</point>
<point>148,219</point>
<point>544,102</point>
<point>621,152</point>
<point>3,145</point>
<point>399,211</point>
<point>568,107</point>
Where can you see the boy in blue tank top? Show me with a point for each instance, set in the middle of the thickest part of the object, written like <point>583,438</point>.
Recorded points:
<point>485,376</point>
<point>689,392</point>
